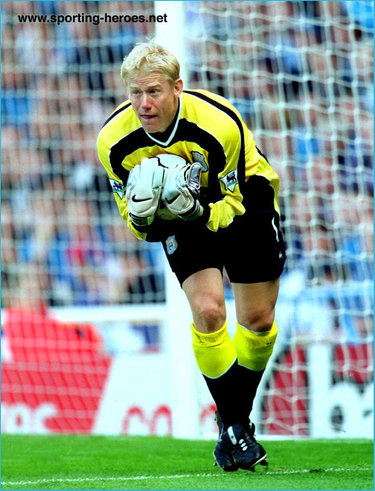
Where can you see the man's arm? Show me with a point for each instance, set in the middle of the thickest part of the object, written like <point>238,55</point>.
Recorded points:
<point>235,141</point>
<point>118,187</point>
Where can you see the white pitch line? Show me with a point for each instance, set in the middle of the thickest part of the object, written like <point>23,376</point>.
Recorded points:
<point>177,476</point>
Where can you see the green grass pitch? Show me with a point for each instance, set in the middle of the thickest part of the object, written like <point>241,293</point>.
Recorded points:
<point>95,462</point>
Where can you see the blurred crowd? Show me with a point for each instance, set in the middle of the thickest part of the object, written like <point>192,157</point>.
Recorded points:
<point>59,84</point>
<point>300,73</point>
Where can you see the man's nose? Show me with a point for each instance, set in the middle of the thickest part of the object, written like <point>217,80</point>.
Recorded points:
<point>145,101</point>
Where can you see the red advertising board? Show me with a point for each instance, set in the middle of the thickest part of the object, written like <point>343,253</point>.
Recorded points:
<point>52,374</point>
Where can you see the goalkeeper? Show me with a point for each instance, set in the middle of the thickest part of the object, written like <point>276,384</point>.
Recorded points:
<point>185,170</point>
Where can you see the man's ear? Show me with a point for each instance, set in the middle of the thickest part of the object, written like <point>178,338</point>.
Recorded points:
<point>178,86</point>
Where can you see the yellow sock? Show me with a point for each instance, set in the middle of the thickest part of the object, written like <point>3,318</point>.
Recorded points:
<point>254,350</point>
<point>214,352</point>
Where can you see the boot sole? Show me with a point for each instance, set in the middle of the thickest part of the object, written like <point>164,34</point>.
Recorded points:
<point>251,467</point>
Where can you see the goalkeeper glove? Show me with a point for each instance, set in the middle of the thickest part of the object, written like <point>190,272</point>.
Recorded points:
<point>143,191</point>
<point>181,191</point>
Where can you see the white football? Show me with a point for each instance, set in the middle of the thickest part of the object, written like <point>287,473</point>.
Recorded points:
<point>169,161</point>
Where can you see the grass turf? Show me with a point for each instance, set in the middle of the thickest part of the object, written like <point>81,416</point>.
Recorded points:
<point>95,462</point>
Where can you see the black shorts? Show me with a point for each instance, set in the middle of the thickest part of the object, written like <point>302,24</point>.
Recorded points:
<point>251,248</point>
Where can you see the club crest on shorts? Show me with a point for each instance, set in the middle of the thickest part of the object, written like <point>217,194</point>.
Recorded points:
<point>171,244</point>
<point>230,180</point>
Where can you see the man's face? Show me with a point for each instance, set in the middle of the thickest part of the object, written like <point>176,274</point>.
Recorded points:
<point>154,100</point>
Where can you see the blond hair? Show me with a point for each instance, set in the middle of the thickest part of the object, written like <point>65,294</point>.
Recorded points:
<point>150,57</point>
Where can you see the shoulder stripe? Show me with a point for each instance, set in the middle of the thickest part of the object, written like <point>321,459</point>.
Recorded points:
<point>124,147</point>
<point>218,105</point>
<point>214,102</point>
<point>113,115</point>
<point>261,154</point>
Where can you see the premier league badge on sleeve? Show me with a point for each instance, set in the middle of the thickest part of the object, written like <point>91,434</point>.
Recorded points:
<point>117,188</point>
<point>171,244</point>
<point>230,180</point>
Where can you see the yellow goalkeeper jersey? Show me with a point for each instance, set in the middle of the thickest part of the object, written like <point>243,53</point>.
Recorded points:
<point>207,129</point>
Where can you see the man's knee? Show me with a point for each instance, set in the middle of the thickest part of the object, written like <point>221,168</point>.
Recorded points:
<point>205,293</point>
<point>255,304</point>
<point>259,320</point>
<point>209,314</point>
